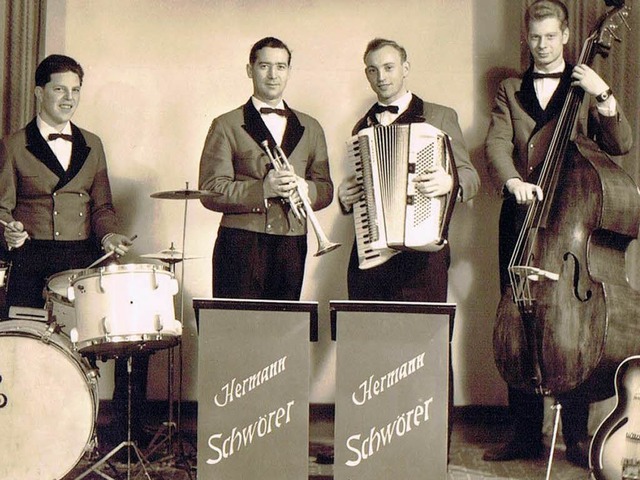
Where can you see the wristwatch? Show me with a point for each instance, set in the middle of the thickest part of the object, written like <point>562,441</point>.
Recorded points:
<point>604,95</point>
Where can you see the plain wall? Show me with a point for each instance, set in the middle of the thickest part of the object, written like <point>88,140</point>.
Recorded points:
<point>158,72</point>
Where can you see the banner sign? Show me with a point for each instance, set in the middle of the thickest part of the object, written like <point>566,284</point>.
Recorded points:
<point>392,388</point>
<point>253,388</point>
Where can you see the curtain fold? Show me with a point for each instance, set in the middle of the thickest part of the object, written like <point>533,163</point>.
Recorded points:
<point>24,42</point>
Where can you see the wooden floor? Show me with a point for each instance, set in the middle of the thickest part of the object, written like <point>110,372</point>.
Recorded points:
<point>472,434</point>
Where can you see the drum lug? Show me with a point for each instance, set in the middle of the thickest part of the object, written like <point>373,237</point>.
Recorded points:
<point>158,323</point>
<point>46,335</point>
<point>100,285</point>
<point>106,326</point>
<point>155,280</point>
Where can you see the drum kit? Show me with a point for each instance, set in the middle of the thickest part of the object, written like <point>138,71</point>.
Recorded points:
<point>48,388</point>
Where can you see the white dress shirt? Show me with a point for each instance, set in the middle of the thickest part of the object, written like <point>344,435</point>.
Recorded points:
<point>545,88</point>
<point>387,118</point>
<point>61,148</point>
<point>274,122</point>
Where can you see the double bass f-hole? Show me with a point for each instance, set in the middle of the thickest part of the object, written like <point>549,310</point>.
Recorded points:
<point>3,398</point>
<point>576,278</point>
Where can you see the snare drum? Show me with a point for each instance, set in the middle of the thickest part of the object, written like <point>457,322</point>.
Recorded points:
<point>58,304</point>
<point>48,402</point>
<point>124,308</point>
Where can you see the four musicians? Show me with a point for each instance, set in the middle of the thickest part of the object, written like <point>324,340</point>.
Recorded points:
<point>56,207</point>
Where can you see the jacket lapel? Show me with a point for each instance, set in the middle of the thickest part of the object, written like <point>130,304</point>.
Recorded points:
<point>414,113</point>
<point>79,154</point>
<point>254,125</point>
<point>40,149</point>
<point>292,133</point>
<point>256,128</point>
<point>529,100</point>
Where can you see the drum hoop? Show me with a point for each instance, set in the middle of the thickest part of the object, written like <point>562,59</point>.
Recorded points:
<point>123,340</point>
<point>120,269</point>
<point>36,330</point>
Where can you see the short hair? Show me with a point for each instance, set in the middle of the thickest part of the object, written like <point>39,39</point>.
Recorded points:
<point>542,9</point>
<point>270,42</point>
<point>378,43</point>
<point>56,64</point>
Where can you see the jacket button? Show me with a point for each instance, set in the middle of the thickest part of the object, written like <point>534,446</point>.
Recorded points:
<point>55,212</point>
<point>81,214</point>
<point>57,234</point>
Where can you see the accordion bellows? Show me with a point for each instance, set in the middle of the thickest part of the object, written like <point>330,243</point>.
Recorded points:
<point>394,216</point>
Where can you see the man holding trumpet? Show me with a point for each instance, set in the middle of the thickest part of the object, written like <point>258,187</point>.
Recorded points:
<point>252,157</point>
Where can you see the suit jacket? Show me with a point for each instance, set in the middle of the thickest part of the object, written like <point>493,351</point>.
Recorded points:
<point>234,164</point>
<point>446,119</point>
<point>54,204</point>
<point>515,143</point>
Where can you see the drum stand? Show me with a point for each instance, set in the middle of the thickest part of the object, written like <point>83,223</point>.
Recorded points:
<point>128,444</point>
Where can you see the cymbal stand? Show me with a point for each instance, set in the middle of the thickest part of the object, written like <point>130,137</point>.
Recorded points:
<point>183,461</point>
<point>128,444</point>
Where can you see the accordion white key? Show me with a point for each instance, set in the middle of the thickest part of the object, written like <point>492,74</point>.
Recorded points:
<point>394,216</point>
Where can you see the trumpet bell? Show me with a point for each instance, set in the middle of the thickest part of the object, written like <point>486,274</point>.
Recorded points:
<point>326,248</point>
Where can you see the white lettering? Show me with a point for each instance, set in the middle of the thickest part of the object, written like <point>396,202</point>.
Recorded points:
<point>234,389</point>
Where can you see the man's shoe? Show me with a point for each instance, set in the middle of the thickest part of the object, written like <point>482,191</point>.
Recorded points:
<point>513,450</point>
<point>578,454</point>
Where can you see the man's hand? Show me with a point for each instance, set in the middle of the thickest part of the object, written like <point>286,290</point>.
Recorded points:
<point>14,234</point>
<point>524,192</point>
<point>349,192</point>
<point>587,79</point>
<point>435,183</point>
<point>117,243</point>
<point>279,183</point>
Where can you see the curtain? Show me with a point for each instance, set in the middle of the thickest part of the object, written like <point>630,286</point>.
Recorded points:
<point>23,45</point>
<point>620,69</point>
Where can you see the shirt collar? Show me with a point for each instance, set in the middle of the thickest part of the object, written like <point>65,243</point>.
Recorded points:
<point>559,69</point>
<point>260,104</point>
<point>46,129</point>
<point>402,103</point>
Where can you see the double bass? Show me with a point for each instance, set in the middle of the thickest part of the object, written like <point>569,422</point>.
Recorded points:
<point>571,316</point>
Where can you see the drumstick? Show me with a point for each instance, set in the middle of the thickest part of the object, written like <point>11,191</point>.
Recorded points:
<point>10,227</point>
<point>107,255</point>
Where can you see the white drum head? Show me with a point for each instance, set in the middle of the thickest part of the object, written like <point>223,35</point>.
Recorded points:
<point>49,414</point>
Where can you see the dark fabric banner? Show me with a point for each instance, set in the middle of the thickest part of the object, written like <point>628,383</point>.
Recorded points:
<point>391,390</point>
<point>253,390</point>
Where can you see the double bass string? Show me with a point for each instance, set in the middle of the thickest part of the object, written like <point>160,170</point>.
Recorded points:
<point>548,181</point>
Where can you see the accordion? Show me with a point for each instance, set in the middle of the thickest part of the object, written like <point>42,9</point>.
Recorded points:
<point>393,216</point>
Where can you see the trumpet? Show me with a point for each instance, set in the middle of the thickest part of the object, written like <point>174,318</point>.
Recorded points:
<point>280,162</point>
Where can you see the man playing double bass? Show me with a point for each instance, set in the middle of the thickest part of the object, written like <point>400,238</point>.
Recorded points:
<point>522,107</point>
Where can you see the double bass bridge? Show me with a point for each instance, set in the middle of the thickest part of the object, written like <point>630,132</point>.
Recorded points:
<point>521,276</point>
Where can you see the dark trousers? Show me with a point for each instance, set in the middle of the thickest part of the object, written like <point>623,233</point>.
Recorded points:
<point>406,277</point>
<point>527,409</point>
<point>258,265</point>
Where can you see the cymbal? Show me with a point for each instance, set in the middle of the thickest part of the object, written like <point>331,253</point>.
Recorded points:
<point>185,194</point>
<point>169,256</point>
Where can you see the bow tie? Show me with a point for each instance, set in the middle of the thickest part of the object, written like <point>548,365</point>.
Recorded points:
<point>547,75</point>
<point>377,108</point>
<point>278,111</point>
<point>64,136</point>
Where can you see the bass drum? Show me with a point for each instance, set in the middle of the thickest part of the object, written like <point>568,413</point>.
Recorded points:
<point>48,402</point>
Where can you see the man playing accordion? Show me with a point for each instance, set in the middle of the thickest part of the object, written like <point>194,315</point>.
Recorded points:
<point>410,276</point>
